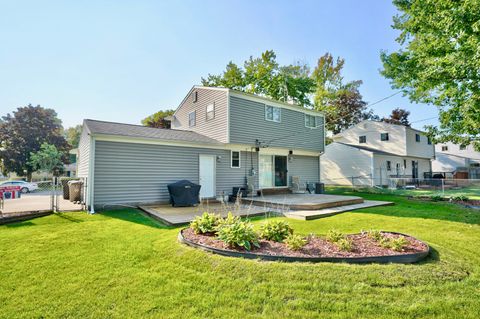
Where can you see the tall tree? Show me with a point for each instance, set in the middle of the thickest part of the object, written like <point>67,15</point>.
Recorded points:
<point>47,159</point>
<point>439,63</point>
<point>158,119</point>
<point>341,103</point>
<point>24,132</point>
<point>72,135</point>
<point>398,116</point>
<point>264,76</point>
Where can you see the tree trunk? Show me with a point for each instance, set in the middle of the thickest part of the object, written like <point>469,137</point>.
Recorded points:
<point>29,176</point>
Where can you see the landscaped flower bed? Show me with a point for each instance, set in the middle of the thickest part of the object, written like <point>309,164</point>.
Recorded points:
<point>276,241</point>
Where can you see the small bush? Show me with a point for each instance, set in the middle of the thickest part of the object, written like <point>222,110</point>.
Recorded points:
<point>375,235</point>
<point>295,242</point>
<point>237,233</point>
<point>459,198</point>
<point>334,236</point>
<point>385,243</point>
<point>205,223</point>
<point>437,198</point>
<point>399,243</point>
<point>345,244</point>
<point>276,230</point>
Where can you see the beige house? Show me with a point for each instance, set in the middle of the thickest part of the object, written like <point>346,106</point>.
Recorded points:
<point>371,152</point>
<point>457,160</point>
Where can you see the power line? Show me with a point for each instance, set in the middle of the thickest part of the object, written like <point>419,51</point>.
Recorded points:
<point>385,98</point>
<point>423,120</point>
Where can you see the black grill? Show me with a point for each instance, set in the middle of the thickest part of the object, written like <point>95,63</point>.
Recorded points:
<point>184,193</point>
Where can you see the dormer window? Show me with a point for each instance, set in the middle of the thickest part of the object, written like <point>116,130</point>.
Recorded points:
<point>310,121</point>
<point>362,139</point>
<point>210,111</point>
<point>272,113</point>
<point>192,118</point>
<point>384,137</point>
<point>417,138</point>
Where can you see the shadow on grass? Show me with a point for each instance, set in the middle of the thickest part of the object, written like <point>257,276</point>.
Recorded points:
<point>414,208</point>
<point>19,224</point>
<point>134,216</point>
<point>68,217</point>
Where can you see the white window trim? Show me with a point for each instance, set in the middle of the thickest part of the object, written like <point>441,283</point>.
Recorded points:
<point>195,118</point>
<point>206,112</point>
<point>387,135</point>
<point>273,107</point>
<point>305,120</point>
<point>239,159</point>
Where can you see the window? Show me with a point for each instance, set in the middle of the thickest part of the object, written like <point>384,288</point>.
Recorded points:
<point>272,113</point>
<point>384,136</point>
<point>444,148</point>
<point>389,166</point>
<point>235,159</point>
<point>429,141</point>
<point>417,137</point>
<point>362,139</point>
<point>397,168</point>
<point>210,112</point>
<point>192,118</point>
<point>195,96</point>
<point>310,121</point>
<point>463,147</point>
<point>405,164</point>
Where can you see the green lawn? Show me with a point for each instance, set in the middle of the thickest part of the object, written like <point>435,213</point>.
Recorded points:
<point>120,264</point>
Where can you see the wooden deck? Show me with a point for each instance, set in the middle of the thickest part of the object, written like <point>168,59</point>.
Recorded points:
<point>303,201</point>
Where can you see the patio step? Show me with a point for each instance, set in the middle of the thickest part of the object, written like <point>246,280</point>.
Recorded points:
<point>321,213</point>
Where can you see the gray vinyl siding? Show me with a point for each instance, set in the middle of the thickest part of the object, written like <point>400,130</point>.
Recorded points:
<point>140,173</point>
<point>247,123</point>
<point>215,128</point>
<point>83,153</point>
<point>305,167</point>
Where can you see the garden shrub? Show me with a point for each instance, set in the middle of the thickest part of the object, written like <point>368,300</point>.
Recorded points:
<point>437,198</point>
<point>345,244</point>
<point>375,235</point>
<point>276,230</point>
<point>334,236</point>
<point>399,243</point>
<point>237,233</point>
<point>205,223</point>
<point>295,242</point>
<point>459,198</point>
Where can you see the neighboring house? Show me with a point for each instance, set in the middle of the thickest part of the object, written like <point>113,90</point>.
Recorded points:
<point>371,152</point>
<point>71,168</point>
<point>220,138</point>
<point>460,161</point>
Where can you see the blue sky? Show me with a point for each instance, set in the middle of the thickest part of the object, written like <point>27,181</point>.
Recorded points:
<point>123,60</point>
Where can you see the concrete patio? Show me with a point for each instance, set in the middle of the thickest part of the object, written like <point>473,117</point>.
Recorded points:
<point>298,206</point>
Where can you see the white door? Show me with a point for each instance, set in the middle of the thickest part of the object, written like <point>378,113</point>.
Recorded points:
<point>207,176</point>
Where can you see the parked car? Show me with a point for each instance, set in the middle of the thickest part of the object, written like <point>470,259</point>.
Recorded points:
<point>26,187</point>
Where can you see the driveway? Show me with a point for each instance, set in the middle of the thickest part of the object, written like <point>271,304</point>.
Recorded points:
<point>37,201</point>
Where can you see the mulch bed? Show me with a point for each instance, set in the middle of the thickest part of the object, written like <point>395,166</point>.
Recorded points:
<point>363,246</point>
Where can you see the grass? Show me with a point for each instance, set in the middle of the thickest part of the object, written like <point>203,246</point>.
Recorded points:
<point>472,192</point>
<point>121,264</point>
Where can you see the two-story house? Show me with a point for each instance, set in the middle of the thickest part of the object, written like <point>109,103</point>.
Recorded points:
<point>462,161</point>
<point>220,138</point>
<point>371,152</point>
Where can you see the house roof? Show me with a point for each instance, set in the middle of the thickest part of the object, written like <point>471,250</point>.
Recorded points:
<point>139,131</point>
<point>369,149</point>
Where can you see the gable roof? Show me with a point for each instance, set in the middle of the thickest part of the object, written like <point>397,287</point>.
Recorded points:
<point>368,149</point>
<point>138,131</point>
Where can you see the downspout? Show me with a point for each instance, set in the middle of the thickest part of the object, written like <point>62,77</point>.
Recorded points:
<point>92,175</point>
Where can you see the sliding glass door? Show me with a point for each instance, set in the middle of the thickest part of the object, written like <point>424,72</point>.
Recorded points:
<point>273,171</point>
